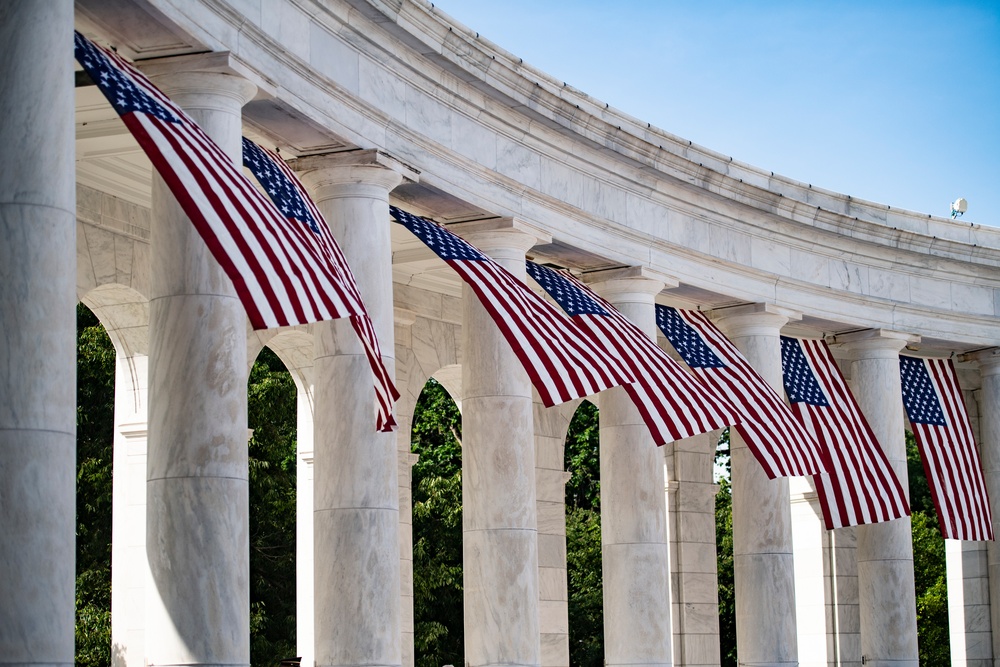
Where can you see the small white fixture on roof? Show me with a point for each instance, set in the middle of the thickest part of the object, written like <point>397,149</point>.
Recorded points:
<point>958,207</point>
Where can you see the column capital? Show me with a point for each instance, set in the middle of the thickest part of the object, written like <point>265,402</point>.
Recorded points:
<point>217,62</point>
<point>403,317</point>
<point>617,284</point>
<point>988,360</point>
<point>754,319</point>
<point>206,81</point>
<point>496,234</point>
<point>328,175</point>
<point>875,343</point>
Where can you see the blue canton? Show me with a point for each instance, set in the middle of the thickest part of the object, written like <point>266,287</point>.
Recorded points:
<point>278,186</point>
<point>448,246</point>
<point>800,383</point>
<point>569,297</point>
<point>919,397</point>
<point>688,342</point>
<point>123,94</point>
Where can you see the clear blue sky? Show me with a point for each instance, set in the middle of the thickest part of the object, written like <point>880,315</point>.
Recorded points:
<point>894,102</point>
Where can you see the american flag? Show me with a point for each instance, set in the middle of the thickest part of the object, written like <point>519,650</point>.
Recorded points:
<point>770,430</point>
<point>934,404</point>
<point>561,360</point>
<point>284,274</point>
<point>290,197</point>
<point>672,402</point>
<point>859,486</point>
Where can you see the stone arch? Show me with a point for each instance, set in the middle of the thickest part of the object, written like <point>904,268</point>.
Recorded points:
<point>124,314</point>
<point>294,346</point>
<point>424,348</point>
<point>445,379</point>
<point>551,430</point>
<point>691,491</point>
<point>112,242</point>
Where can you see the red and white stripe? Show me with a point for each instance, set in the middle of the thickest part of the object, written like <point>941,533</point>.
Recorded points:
<point>673,403</point>
<point>283,274</point>
<point>860,486</point>
<point>561,361</point>
<point>951,461</point>
<point>768,427</point>
<point>386,394</point>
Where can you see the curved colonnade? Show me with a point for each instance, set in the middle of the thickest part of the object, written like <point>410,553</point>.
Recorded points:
<point>394,102</point>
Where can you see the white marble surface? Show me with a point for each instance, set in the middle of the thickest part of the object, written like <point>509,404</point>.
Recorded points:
<point>129,565</point>
<point>37,335</point>
<point>197,495</point>
<point>305,634</point>
<point>357,611</point>
<point>505,137</point>
<point>635,547</point>
<point>550,425</point>
<point>694,580</point>
<point>885,550</point>
<point>762,529</point>
<point>969,603</point>
<point>499,518</point>
<point>989,410</point>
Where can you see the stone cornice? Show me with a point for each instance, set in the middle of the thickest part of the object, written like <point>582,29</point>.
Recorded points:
<point>650,198</point>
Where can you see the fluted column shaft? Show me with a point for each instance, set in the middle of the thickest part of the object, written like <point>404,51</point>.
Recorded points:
<point>886,594</point>
<point>989,410</point>
<point>37,334</point>
<point>197,537</point>
<point>356,493</point>
<point>634,543</point>
<point>762,525</point>
<point>499,513</point>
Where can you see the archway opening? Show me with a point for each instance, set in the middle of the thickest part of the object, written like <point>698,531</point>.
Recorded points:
<point>436,438</point>
<point>271,415</point>
<point>583,538</point>
<point>95,381</point>
<point>930,572</point>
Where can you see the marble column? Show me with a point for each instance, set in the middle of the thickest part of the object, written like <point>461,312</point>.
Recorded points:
<point>886,594</point>
<point>551,425</point>
<point>405,461</point>
<point>967,562</point>
<point>499,512</point>
<point>762,525</point>
<point>129,565</point>
<point>304,583</point>
<point>989,425</point>
<point>37,334</point>
<point>694,580</point>
<point>356,487</point>
<point>634,543</point>
<point>197,538</point>
<point>826,580</point>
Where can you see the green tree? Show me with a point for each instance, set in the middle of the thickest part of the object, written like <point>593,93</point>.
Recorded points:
<point>583,539</point>
<point>95,377</point>
<point>724,554</point>
<point>271,398</point>
<point>929,567</point>
<point>271,408</point>
<point>437,529</point>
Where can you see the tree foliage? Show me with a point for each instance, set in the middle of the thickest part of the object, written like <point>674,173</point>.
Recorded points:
<point>929,567</point>
<point>724,553</point>
<point>583,539</point>
<point>271,396</point>
<point>437,529</point>
<point>271,407</point>
<point>95,378</point>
